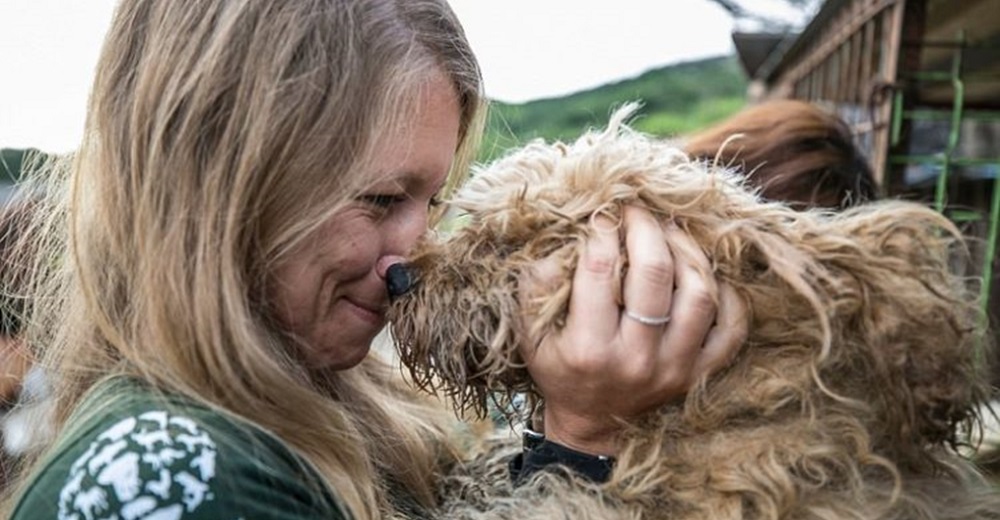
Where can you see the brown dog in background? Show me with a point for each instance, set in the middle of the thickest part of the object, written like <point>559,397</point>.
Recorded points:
<point>859,382</point>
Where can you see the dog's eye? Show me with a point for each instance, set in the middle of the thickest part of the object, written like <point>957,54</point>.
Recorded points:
<point>434,202</point>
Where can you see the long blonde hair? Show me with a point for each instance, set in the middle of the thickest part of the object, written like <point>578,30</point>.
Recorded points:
<point>220,134</point>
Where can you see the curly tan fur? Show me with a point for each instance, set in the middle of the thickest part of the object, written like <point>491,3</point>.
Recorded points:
<point>859,379</point>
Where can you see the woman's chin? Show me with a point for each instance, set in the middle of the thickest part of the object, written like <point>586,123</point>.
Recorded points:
<point>342,355</point>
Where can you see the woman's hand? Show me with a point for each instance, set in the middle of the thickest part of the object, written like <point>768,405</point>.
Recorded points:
<point>606,364</point>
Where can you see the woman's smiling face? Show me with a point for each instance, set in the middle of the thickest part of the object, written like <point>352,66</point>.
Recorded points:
<point>331,294</point>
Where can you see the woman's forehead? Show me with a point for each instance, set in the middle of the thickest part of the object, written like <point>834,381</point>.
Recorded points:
<point>420,150</point>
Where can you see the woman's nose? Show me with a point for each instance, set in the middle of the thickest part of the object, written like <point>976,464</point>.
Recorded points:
<point>408,230</point>
<point>383,264</point>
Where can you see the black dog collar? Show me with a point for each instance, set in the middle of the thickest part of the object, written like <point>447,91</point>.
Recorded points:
<point>541,454</point>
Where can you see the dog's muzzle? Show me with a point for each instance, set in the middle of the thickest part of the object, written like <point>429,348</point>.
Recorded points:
<point>399,279</point>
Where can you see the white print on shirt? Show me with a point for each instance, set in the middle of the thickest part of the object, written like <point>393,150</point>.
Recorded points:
<point>151,467</point>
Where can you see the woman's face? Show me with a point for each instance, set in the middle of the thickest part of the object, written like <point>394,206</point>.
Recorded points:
<point>331,294</point>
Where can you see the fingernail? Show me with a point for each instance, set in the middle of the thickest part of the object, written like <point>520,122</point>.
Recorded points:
<point>399,279</point>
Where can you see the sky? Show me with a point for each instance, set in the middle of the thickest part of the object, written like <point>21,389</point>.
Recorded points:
<point>528,49</point>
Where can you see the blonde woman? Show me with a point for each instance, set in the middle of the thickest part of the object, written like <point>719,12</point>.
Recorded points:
<point>250,171</point>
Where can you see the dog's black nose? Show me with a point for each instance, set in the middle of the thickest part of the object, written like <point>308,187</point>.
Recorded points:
<point>399,280</point>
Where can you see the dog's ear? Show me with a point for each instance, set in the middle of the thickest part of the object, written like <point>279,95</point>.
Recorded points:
<point>457,329</point>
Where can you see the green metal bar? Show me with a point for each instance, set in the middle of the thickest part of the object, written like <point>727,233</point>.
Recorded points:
<point>929,114</point>
<point>941,191</point>
<point>956,117</point>
<point>941,76</point>
<point>991,246</point>
<point>936,158</point>
<point>961,215</point>
<point>897,118</point>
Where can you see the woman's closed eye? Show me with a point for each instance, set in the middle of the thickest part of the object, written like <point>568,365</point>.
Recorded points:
<point>383,200</point>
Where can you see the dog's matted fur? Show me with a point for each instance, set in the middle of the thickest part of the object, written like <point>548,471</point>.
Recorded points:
<point>858,381</point>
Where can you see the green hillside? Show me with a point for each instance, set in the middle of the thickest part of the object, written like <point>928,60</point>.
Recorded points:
<point>17,162</point>
<point>10,164</point>
<point>676,99</point>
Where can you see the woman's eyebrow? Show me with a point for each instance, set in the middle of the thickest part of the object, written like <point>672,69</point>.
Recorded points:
<point>411,181</point>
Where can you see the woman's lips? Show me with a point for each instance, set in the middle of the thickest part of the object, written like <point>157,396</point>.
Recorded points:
<point>373,314</point>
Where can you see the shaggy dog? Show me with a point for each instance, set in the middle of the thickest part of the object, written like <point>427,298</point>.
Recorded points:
<point>859,380</point>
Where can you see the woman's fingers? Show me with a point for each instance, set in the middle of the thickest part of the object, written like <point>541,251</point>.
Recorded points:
<point>649,282</point>
<point>730,331</point>
<point>593,306</point>
<point>694,304</point>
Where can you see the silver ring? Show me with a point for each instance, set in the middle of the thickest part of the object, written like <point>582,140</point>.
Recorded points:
<point>647,320</point>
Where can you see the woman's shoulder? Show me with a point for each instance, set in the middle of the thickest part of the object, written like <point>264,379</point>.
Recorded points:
<point>133,452</point>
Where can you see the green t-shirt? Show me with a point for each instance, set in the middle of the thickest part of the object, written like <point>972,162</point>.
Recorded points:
<point>130,453</point>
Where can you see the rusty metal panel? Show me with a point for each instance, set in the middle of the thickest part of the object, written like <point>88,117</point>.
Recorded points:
<point>891,36</point>
<point>846,60</point>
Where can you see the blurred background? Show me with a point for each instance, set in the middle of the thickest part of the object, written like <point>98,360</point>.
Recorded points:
<point>529,50</point>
